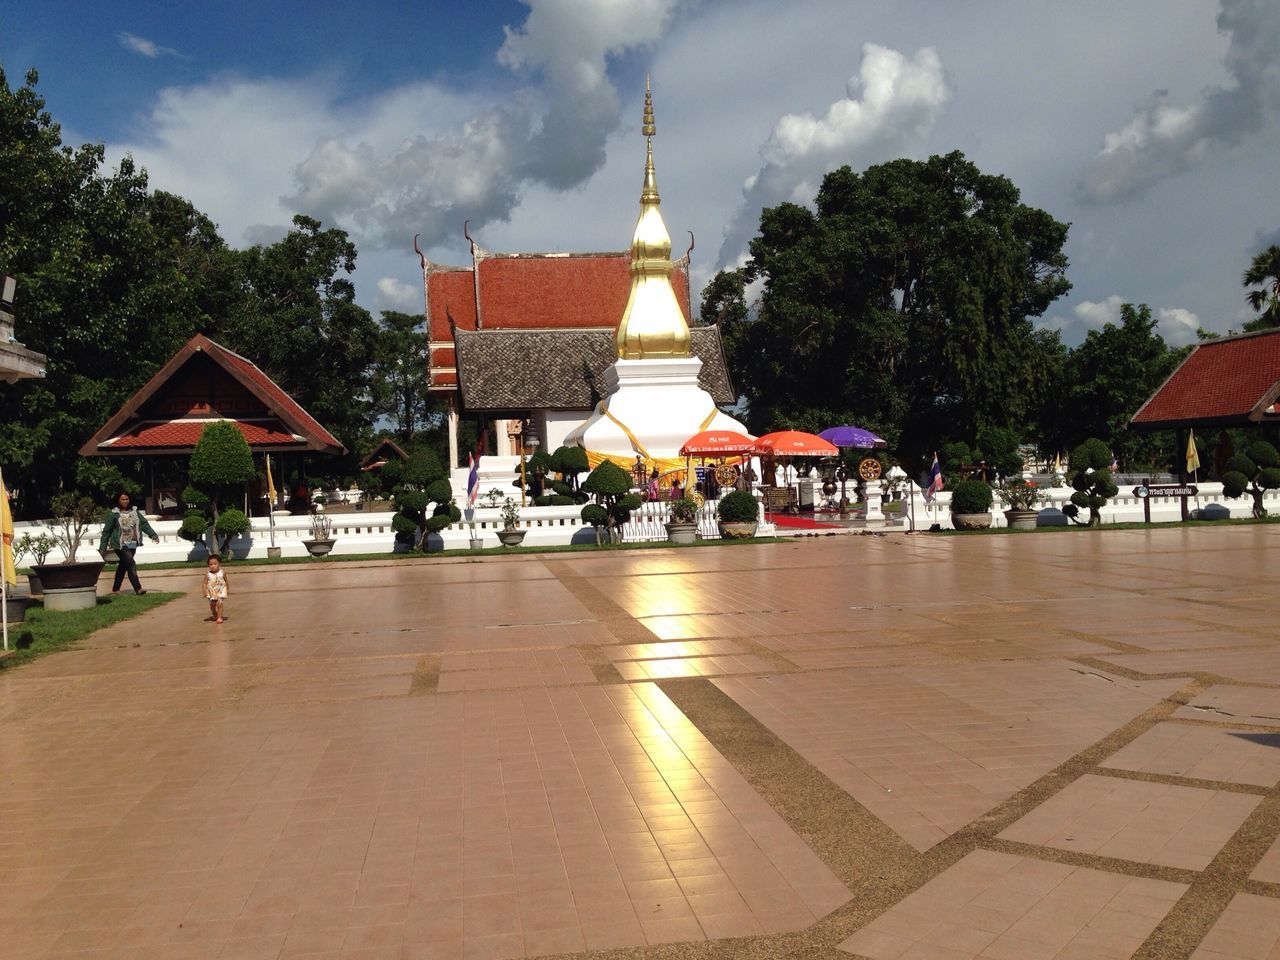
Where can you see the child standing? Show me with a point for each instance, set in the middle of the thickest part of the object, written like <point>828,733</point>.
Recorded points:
<point>215,588</point>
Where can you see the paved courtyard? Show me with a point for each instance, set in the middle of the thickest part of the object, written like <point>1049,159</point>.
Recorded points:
<point>889,748</point>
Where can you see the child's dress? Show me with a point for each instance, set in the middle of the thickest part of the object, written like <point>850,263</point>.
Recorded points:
<point>215,585</point>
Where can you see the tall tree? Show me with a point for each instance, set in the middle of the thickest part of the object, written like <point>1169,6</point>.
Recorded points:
<point>104,287</point>
<point>301,324</point>
<point>904,300</point>
<point>1264,272</point>
<point>1108,377</point>
<point>400,373</point>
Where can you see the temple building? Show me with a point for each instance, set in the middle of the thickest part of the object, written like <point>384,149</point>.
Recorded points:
<point>204,382</point>
<point>533,336</point>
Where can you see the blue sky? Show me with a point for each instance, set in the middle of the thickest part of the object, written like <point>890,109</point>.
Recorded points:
<point>1154,134</point>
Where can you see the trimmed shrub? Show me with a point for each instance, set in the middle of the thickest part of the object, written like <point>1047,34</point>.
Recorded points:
<point>194,526</point>
<point>562,501</point>
<point>971,496</point>
<point>542,501</point>
<point>1089,474</point>
<point>610,485</point>
<point>738,507</point>
<point>569,462</point>
<point>231,523</point>
<point>423,481</point>
<point>1253,472</point>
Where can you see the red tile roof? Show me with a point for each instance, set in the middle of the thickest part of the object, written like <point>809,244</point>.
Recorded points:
<point>1224,381</point>
<point>186,433</point>
<point>129,429</point>
<point>533,291</point>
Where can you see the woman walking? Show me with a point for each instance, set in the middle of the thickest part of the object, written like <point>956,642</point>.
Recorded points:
<point>123,533</point>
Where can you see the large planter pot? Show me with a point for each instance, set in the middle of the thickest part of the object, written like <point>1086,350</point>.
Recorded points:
<point>16,608</point>
<point>971,521</point>
<point>511,538</point>
<point>68,576</point>
<point>318,548</point>
<point>1021,519</point>
<point>682,532</point>
<point>737,530</point>
<point>70,598</point>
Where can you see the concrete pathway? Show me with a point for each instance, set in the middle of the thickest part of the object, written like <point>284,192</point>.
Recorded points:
<point>1052,746</point>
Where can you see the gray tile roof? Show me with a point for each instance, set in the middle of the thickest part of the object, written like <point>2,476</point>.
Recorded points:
<point>563,369</point>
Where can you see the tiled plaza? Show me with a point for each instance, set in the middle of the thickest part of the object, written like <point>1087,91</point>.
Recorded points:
<point>1063,745</point>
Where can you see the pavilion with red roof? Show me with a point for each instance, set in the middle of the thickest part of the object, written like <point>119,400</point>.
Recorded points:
<point>201,383</point>
<point>1227,382</point>
<point>529,336</point>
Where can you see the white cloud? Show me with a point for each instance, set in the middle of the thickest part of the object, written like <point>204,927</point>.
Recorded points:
<point>141,45</point>
<point>1163,139</point>
<point>1177,325</point>
<point>890,103</point>
<point>395,294</point>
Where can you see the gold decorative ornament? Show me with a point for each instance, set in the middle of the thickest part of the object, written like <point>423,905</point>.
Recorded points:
<point>653,324</point>
<point>726,474</point>
<point>869,469</point>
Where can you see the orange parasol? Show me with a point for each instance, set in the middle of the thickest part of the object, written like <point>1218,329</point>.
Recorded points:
<point>718,443</point>
<point>795,443</point>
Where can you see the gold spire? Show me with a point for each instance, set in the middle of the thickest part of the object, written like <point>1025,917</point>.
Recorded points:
<point>653,324</point>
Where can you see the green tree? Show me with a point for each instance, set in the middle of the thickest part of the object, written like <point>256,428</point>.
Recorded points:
<point>112,279</point>
<point>903,300</point>
<point>399,377</point>
<point>423,499</point>
<point>1264,272</point>
<point>301,324</point>
<point>1090,477</point>
<point>1108,377</point>
<point>1254,472</point>
<point>610,485</point>
<point>221,465</point>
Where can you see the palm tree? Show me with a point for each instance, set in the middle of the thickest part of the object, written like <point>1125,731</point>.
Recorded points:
<point>1264,272</point>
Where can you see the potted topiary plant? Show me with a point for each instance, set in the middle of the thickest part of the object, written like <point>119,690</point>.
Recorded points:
<point>610,485</point>
<point>739,516</point>
<point>1090,476</point>
<point>510,534</point>
<point>1020,497</point>
<point>321,541</point>
<point>971,505</point>
<point>38,548</point>
<point>683,525</point>
<point>1254,472</point>
<point>71,585</point>
<point>423,483</point>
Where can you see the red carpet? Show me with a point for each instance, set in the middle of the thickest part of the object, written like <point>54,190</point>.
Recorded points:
<point>799,523</point>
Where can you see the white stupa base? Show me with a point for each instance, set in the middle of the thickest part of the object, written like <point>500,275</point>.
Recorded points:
<point>659,401</point>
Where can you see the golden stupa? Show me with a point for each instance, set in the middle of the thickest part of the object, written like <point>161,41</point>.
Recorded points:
<point>653,324</point>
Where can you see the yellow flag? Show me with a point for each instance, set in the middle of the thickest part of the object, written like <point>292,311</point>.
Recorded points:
<point>1193,455</point>
<point>6,534</point>
<point>271,483</point>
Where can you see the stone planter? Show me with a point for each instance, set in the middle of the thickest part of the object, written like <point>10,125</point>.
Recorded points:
<point>511,538</point>
<point>737,530</point>
<point>318,548</point>
<point>682,532</point>
<point>1021,519</point>
<point>971,521</point>
<point>273,553</point>
<point>477,543</point>
<point>69,576</point>
<point>70,598</point>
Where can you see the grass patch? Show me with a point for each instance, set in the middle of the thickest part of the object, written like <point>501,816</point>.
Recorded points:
<point>487,552</point>
<point>45,632</point>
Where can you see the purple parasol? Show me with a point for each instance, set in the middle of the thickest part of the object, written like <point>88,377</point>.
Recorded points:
<point>848,436</point>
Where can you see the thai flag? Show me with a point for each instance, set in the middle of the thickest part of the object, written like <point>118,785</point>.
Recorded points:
<point>473,481</point>
<point>935,480</point>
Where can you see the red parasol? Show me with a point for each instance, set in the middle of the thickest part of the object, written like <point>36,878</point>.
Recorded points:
<point>795,443</point>
<point>718,443</point>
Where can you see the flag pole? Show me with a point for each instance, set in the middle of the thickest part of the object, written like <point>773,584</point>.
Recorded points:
<point>4,573</point>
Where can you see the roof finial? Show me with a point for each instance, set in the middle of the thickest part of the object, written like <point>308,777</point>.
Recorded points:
<point>648,129</point>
